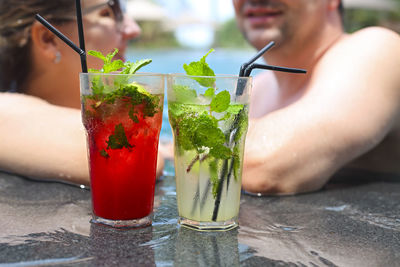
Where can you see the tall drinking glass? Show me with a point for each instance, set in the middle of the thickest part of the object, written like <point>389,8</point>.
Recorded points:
<point>209,118</point>
<point>122,115</point>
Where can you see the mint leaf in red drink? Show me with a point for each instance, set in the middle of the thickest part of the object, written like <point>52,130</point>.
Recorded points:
<point>97,54</point>
<point>133,67</point>
<point>113,66</point>
<point>110,56</point>
<point>122,92</point>
<point>104,153</point>
<point>109,65</point>
<point>136,92</point>
<point>133,116</point>
<point>118,140</point>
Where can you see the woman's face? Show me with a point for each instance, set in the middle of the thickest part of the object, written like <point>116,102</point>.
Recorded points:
<point>102,33</point>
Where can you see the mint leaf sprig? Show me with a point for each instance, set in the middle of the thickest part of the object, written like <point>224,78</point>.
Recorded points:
<point>201,68</point>
<point>110,65</point>
<point>185,97</point>
<point>198,128</point>
<point>103,93</point>
<point>133,94</point>
<point>133,67</point>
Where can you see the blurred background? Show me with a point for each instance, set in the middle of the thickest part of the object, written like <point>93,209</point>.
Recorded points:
<point>203,24</point>
<point>186,29</point>
<point>175,32</point>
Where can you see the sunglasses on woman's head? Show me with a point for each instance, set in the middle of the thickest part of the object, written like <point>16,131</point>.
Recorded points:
<point>118,8</point>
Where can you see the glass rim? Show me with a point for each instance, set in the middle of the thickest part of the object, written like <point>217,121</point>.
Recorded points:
<point>137,74</point>
<point>226,76</point>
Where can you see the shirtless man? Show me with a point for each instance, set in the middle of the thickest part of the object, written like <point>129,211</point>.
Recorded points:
<point>343,113</point>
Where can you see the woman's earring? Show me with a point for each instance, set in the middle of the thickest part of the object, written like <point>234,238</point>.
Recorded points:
<point>57,59</point>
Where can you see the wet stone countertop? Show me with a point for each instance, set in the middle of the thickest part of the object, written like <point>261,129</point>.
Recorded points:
<point>353,221</point>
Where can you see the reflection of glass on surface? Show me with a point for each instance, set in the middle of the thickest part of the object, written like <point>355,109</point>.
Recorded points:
<point>194,248</point>
<point>123,247</point>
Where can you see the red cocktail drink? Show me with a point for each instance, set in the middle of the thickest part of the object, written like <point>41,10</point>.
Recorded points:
<point>122,133</point>
<point>123,180</point>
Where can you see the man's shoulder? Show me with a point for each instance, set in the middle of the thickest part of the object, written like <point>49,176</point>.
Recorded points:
<point>265,77</point>
<point>377,33</point>
<point>367,60</point>
<point>372,45</point>
<point>373,37</point>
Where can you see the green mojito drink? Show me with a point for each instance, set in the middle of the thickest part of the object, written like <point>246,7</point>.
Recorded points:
<point>209,118</point>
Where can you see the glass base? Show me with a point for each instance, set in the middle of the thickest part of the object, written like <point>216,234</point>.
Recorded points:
<point>209,226</point>
<point>123,224</point>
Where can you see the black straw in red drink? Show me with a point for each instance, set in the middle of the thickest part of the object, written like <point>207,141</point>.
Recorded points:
<point>78,8</point>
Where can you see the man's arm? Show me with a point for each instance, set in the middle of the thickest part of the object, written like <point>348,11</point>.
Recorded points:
<point>264,97</point>
<point>350,104</point>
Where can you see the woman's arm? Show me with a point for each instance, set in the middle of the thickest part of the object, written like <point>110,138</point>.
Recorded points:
<point>44,141</point>
<point>41,140</point>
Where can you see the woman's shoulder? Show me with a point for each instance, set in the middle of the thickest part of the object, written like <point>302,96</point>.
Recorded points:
<point>17,104</point>
<point>11,99</point>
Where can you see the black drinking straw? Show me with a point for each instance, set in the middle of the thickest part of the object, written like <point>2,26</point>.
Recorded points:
<point>254,58</point>
<point>249,68</point>
<point>245,71</point>
<point>64,38</point>
<point>78,9</point>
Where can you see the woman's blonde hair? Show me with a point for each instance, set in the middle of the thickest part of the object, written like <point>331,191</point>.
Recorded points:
<point>16,18</point>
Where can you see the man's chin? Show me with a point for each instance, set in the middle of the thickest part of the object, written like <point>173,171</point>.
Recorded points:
<point>260,38</point>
